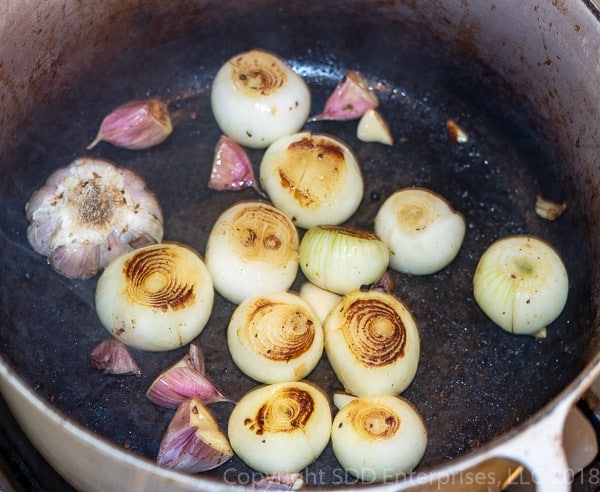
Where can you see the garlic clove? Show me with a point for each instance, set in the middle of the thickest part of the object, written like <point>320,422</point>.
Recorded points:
<point>158,297</point>
<point>350,99</point>
<point>372,343</point>
<point>377,438</point>
<point>385,284</point>
<point>342,258</point>
<point>90,212</point>
<point>421,229</point>
<point>282,427</point>
<point>184,380</point>
<point>256,98</point>
<point>521,284</point>
<point>322,301</point>
<point>193,441</point>
<point>252,249</point>
<point>373,128</point>
<point>113,357</point>
<point>232,169</point>
<point>275,337</point>
<point>136,125</point>
<point>313,178</point>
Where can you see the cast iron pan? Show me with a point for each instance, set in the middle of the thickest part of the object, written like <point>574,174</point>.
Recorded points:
<point>474,380</point>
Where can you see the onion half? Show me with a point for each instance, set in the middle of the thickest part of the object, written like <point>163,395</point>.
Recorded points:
<point>372,343</point>
<point>282,427</point>
<point>521,284</point>
<point>342,259</point>
<point>275,337</point>
<point>256,98</point>
<point>377,438</point>
<point>423,232</point>
<point>312,177</point>
<point>252,249</point>
<point>155,298</point>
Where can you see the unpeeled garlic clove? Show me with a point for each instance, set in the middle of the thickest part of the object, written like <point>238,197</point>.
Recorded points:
<point>136,125</point>
<point>184,380</point>
<point>232,169</point>
<point>113,357</point>
<point>351,98</point>
<point>193,441</point>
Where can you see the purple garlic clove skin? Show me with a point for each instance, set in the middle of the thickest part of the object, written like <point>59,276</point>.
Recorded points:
<point>350,99</point>
<point>88,213</point>
<point>136,125</point>
<point>113,357</point>
<point>193,441</point>
<point>232,169</point>
<point>184,380</point>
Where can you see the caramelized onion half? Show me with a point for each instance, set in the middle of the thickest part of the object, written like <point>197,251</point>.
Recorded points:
<point>372,343</point>
<point>256,98</point>
<point>282,427</point>
<point>275,337</point>
<point>378,437</point>
<point>252,249</point>
<point>312,177</point>
<point>423,232</point>
<point>155,298</point>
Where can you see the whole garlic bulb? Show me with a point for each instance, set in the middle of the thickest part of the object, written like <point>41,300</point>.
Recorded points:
<point>90,212</point>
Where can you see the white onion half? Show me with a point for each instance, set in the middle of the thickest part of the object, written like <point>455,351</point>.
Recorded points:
<point>342,259</point>
<point>252,249</point>
<point>155,298</point>
<point>372,343</point>
<point>275,337</point>
<point>423,232</point>
<point>312,177</point>
<point>521,283</point>
<point>378,438</point>
<point>282,427</point>
<point>256,98</point>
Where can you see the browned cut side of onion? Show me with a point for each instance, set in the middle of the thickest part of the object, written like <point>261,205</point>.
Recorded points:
<point>372,343</point>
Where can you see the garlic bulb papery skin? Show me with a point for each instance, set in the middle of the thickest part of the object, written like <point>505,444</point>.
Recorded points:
<point>252,249</point>
<point>372,343</point>
<point>256,98</point>
<point>378,438</point>
<point>193,441</point>
<point>312,177</point>
<point>342,259</point>
<point>90,212</point>
<point>136,125</point>
<point>322,301</point>
<point>281,427</point>
<point>275,337</point>
<point>521,284</point>
<point>423,232</point>
<point>373,128</point>
<point>155,298</point>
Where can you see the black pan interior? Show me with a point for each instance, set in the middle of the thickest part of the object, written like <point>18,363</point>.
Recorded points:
<point>474,381</point>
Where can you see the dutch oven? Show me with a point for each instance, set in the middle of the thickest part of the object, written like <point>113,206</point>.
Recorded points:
<point>520,77</point>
